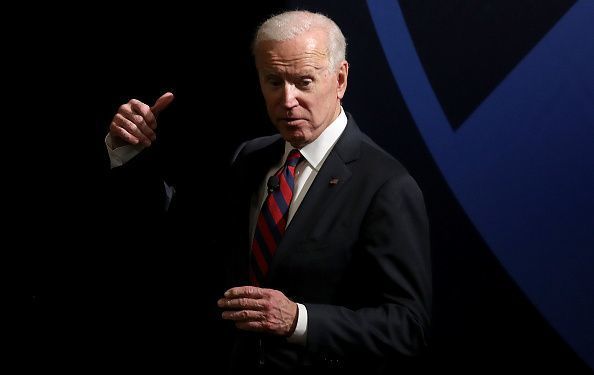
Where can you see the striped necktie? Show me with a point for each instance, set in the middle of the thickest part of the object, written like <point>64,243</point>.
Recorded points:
<point>272,219</point>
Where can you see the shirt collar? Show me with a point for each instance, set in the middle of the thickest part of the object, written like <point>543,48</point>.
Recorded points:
<point>315,152</point>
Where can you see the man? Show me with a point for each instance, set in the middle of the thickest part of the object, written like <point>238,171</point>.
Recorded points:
<point>326,233</point>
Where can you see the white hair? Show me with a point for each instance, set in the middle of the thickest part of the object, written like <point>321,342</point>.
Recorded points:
<point>288,25</point>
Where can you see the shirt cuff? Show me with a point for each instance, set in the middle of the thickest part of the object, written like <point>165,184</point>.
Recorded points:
<point>121,155</point>
<point>300,334</point>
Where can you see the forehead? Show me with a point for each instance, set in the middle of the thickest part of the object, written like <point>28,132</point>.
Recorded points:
<point>304,52</point>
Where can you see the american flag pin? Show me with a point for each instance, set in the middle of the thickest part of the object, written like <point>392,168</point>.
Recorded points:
<point>333,181</point>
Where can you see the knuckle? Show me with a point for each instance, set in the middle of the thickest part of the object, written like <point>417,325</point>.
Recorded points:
<point>138,106</point>
<point>144,109</point>
<point>130,126</point>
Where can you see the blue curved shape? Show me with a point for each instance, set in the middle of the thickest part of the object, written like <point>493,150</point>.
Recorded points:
<point>522,164</point>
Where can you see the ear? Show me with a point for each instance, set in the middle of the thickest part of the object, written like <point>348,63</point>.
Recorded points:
<point>341,80</point>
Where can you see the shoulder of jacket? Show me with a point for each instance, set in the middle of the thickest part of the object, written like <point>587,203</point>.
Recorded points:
<point>253,145</point>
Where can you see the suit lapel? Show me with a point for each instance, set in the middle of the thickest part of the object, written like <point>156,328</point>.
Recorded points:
<point>251,171</point>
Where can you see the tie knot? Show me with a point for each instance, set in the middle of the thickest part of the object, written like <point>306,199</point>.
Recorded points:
<point>293,158</point>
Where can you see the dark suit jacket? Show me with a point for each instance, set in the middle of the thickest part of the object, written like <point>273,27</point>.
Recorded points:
<point>356,254</point>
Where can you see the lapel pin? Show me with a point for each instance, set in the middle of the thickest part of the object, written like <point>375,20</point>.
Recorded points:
<point>333,181</point>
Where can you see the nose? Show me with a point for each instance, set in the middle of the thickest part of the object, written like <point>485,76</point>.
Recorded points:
<point>290,95</point>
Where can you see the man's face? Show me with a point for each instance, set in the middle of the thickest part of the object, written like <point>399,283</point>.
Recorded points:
<point>302,92</point>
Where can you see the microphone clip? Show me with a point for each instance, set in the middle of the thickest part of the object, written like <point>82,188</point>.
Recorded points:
<point>273,184</point>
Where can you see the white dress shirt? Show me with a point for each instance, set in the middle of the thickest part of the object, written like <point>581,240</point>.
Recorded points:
<point>123,154</point>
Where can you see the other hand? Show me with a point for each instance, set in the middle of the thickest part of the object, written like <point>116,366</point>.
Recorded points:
<point>259,309</point>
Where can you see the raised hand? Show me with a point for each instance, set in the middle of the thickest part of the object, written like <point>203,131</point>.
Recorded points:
<point>135,122</point>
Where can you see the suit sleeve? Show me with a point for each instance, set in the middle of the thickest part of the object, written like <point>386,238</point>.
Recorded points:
<point>139,186</point>
<point>396,275</point>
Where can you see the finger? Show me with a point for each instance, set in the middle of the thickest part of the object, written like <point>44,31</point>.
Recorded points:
<point>139,108</point>
<point>131,125</point>
<point>162,103</point>
<point>118,132</point>
<point>241,303</point>
<point>242,315</point>
<point>139,120</point>
<point>144,127</point>
<point>245,291</point>
<point>131,128</point>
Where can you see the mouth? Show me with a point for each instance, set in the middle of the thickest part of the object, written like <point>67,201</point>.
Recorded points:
<point>292,121</point>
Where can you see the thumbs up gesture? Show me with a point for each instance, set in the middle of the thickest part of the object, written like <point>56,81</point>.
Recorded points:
<point>135,122</point>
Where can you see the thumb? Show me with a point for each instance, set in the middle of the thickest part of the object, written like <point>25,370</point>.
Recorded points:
<point>162,103</point>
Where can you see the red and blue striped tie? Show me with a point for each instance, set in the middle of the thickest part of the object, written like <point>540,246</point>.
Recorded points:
<point>272,220</point>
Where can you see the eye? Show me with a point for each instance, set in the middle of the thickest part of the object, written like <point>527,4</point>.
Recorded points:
<point>275,82</point>
<point>305,82</point>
